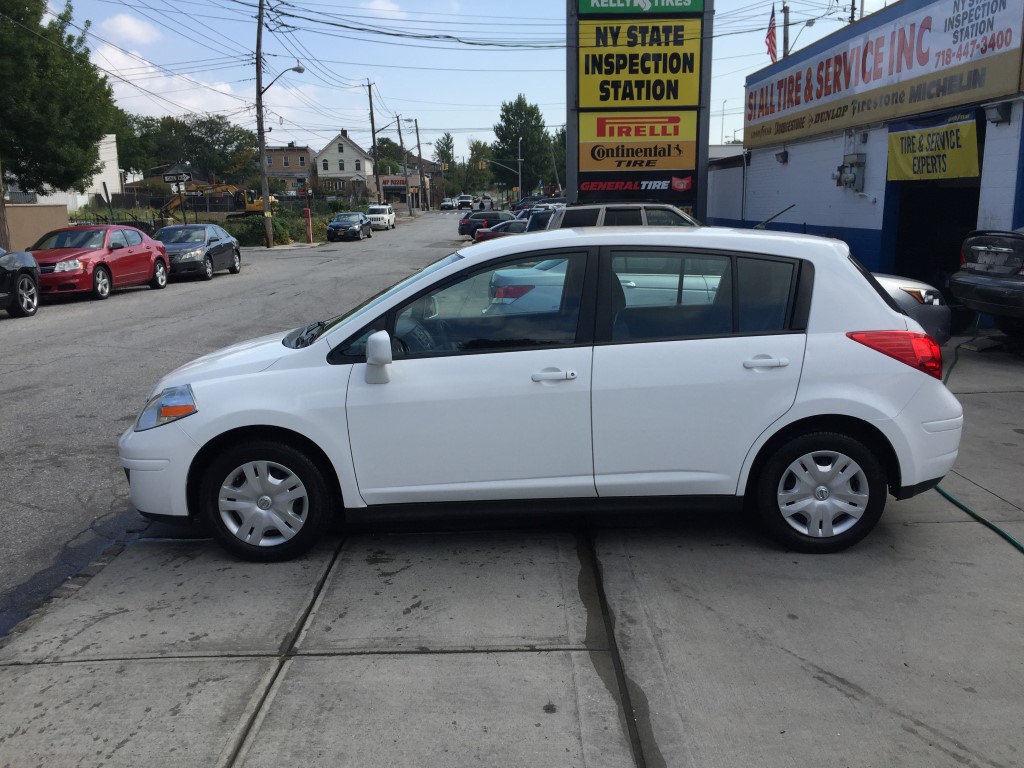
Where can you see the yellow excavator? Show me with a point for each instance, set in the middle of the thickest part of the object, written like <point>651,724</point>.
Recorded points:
<point>248,202</point>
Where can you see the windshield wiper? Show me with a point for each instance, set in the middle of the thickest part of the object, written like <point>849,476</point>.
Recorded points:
<point>310,333</point>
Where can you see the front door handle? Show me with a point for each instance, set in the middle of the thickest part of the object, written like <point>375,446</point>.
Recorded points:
<point>553,374</point>
<point>766,362</point>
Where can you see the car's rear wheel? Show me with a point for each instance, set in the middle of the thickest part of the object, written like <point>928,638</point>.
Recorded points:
<point>207,268</point>
<point>236,262</point>
<point>26,297</point>
<point>265,501</point>
<point>1011,326</point>
<point>100,283</point>
<point>159,276</point>
<point>821,492</point>
<point>369,232</point>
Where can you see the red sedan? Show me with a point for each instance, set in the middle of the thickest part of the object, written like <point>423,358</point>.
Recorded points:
<point>513,227</point>
<point>97,259</point>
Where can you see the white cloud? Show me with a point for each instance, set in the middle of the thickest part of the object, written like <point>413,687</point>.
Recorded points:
<point>389,9</point>
<point>123,28</point>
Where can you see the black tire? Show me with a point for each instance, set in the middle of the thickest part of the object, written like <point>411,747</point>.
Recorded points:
<point>1011,326</point>
<point>240,481</point>
<point>159,276</point>
<point>370,233</point>
<point>101,283</point>
<point>821,492</point>
<point>236,262</point>
<point>360,235</point>
<point>207,273</point>
<point>26,296</point>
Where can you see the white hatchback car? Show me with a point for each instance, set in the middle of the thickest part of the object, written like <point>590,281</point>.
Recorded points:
<point>381,216</point>
<point>797,385</point>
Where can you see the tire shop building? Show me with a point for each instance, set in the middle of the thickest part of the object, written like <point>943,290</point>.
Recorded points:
<point>898,134</point>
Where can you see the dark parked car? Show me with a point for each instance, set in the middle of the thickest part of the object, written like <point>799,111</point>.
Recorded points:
<point>991,277</point>
<point>510,227</point>
<point>922,302</point>
<point>97,259</point>
<point>474,220</point>
<point>19,283</point>
<point>200,249</point>
<point>349,226</point>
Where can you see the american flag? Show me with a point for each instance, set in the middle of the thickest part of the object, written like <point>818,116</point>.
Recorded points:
<point>769,39</point>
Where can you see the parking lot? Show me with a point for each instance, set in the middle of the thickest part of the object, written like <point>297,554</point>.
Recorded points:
<point>521,637</point>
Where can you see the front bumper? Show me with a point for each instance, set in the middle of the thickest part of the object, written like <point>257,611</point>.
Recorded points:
<point>156,463</point>
<point>382,224</point>
<point>65,282</point>
<point>190,267</point>
<point>990,294</point>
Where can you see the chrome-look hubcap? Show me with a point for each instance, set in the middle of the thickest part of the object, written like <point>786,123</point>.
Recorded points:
<point>28,297</point>
<point>263,503</point>
<point>102,284</point>
<point>823,494</point>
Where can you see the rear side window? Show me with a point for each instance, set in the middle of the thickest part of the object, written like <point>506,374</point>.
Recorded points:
<point>583,217</point>
<point>132,237</point>
<point>623,217</point>
<point>763,293</point>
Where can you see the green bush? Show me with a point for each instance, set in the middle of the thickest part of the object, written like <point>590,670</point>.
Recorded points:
<point>250,231</point>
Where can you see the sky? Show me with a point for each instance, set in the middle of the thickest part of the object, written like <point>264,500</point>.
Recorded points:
<point>447,65</point>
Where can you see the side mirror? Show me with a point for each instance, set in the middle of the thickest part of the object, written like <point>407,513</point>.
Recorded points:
<point>378,358</point>
<point>116,246</point>
<point>215,239</point>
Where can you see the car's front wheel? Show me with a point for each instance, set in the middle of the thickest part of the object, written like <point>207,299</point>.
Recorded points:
<point>821,492</point>
<point>265,501</point>
<point>159,279</point>
<point>207,268</point>
<point>26,297</point>
<point>100,283</point>
<point>236,262</point>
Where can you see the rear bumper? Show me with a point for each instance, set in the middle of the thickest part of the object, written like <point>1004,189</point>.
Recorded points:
<point>991,295</point>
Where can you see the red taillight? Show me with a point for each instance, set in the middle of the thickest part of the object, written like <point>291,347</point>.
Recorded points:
<point>918,350</point>
<point>512,291</point>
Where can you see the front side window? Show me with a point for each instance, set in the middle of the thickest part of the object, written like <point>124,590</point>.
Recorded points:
<point>622,217</point>
<point>664,217</point>
<point>117,238</point>
<point>517,305</point>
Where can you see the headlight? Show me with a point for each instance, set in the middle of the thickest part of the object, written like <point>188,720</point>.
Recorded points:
<point>67,266</point>
<point>194,255</point>
<point>927,296</point>
<point>170,405</point>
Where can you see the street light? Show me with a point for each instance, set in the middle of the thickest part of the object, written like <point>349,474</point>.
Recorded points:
<point>519,158</point>
<point>268,226</point>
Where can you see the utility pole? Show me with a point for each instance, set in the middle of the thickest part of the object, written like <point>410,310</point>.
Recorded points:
<point>424,200</point>
<point>785,33</point>
<point>405,165</point>
<point>268,225</point>
<point>373,143</point>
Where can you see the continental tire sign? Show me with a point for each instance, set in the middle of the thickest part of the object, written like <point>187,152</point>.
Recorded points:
<point>649,141</point>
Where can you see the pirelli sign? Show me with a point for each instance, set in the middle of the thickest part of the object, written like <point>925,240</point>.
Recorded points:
<point>642,141</point>
<point>636,89</point>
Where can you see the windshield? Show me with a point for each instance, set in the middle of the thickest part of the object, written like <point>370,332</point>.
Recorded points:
<point>71,238</point>
<point>343,217</point>
<point>371,304</point>
<point>181,235</point>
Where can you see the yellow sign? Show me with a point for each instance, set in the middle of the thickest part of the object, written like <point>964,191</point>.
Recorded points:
<point>639,63</point>
<point>652,141</point>
<point>947,151</point>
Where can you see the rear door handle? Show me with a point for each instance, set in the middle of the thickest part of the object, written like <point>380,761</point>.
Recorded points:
<point>553,374</point>
<point>766,362</point>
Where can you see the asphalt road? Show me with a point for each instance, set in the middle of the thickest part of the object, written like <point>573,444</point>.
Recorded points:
<point>76,375</point>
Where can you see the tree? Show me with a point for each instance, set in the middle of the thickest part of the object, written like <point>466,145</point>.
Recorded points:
<point>558,157</point>
<point>518,119</point>
<point>444,149</point>
<point>55,107</point>
<point>389,156</point>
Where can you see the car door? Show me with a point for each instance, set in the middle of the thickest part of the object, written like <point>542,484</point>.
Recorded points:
<point>682,390</point>
<point>478,406</point>
<point>215,247</point>
<point>123,258</point>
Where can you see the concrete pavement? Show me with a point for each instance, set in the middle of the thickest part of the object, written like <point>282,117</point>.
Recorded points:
<point>643,641</point>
